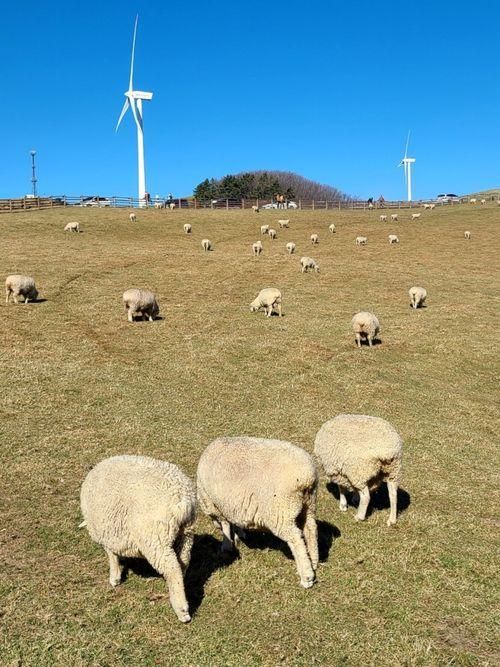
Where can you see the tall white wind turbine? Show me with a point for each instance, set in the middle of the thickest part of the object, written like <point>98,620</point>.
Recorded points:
<point>407,162</point>
<point>134,101</point>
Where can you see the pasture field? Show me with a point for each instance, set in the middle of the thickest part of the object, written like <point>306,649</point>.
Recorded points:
<point>79,383</point>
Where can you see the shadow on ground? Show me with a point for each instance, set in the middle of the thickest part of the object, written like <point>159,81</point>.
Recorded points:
<point>379,498</point>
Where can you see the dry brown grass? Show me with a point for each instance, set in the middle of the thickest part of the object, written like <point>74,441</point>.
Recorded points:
<point>79,383</point>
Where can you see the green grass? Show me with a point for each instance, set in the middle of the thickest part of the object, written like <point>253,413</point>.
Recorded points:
<point>79,383</point>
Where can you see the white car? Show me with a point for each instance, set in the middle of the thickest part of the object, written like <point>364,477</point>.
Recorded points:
<point>445,199</point>
<point>95,201</point>
<point>269,206</point>
<point>292,204</point>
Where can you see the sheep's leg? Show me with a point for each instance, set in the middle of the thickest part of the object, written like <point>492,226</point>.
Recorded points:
<point>279,310</point>
<point>26,299</point>
<point>358,340</point>
<point>292,535</point>
<point>311,538</point>
<point>7,294</point>
<point>15,297</point>
<point>392,487</point>
<point>115,569</point>
<point>370,340</point>
<point>184,547</point>
<point>227,541</point>
<point>364,500</point>
<point>164,559</point>
<point>342,498</point>
<point>239,535</point>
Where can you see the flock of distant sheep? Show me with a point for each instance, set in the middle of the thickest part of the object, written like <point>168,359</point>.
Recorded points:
<point>136,506</point>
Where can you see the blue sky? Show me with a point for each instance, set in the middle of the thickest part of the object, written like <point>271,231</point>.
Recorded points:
<point>325,89</point>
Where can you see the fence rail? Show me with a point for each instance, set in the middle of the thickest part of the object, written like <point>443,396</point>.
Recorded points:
<point>37,203</point>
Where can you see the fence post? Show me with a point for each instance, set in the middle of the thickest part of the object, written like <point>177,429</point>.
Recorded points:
<point>300,204</point>
<point>257,202</point>
<point>313,204</point>
<point>339,204</point>
<point>243,204</point>
<point>10,204</point>
<point>227,204</point>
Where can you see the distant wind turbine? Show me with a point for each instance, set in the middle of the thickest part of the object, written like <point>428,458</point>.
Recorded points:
<point>134,101</point>
<point>407,162</point>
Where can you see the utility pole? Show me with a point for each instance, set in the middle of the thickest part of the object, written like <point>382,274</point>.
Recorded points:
<point>33,174</point>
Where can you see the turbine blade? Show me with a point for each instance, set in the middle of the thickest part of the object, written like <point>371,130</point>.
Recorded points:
<point>407,142</point>
<point>137,116</point>
<point>124,111</point>
<point>130,85</point>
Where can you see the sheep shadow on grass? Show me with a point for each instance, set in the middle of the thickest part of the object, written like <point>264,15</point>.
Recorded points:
<point>379,499</point>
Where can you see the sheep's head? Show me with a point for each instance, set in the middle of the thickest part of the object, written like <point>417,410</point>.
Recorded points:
<point>254,307</point>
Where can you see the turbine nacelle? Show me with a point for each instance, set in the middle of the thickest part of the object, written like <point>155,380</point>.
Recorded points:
<point>138,95</point>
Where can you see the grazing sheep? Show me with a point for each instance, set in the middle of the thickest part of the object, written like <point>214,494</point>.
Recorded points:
<point>332,228</point>
<point>272,234</point>
<point>264,229</point>
<point>418,296</point>
<point>187,228</point>
<point>393,238</point>
<point>284,223</point>
<point>394,217</point>
<point>72,227</point>
<point>361,240</point>
<point>206,244</point>
<point>159,204</point>
<point>314,239</point>
<point>483,201</point>
<point>383,218</point>
<point>415,216</point>
<point>265,484</point>
<point>139,507</point>
<point>426,206</point>
<point>365,325</point>
<point>370,206</point>
<point>140,303</point>
<point>257,248</point>
<point>467,235</point>
<point>268,299</point>
<point>473,200</point>
<point>132,217</point>
<point>171,206</point>
<point>358,453</point>
<point>290,247</point>
<point>20,286</point>
<point>432,206</point>
<point>308,264</point>
<point>255,209</point>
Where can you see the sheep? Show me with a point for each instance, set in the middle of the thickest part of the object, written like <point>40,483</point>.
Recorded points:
<point>290,247</point>
<point>314,239</point>
<point>365,325</point>
<point>308,264</point>
<point>132,217</point>
<point>361,240</point>
<point>358,453</point>
<point>473,200</point>
<point>171,206</point>
<point>20,286</point>
<point>255,209</point>
<point>393,238</point>
<point>426,206</point>
<point>206,244</point>
<point>187,228</point>
<point>72,227</point>
<point>483,201</point>
<point>370,206</point>
<point>268,299</point>
<point>383,218</point>
<point>246,482</point>
<point>264,229</point>
<point>467,236</point>
<point>415,216</point>
<point>136,506</point>
<point>257,248</point>
<point>140,302</point>
<point>332,228</point>
<point>432,206</point>
<point>284,223</point>
<point>272,234</point>
<point>394,217</point>
<point>418,296</point>
<point>159,204</point>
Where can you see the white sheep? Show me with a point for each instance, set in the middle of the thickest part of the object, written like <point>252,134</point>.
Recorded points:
<point>393,238</point>
<point>473,200</point>
<point>483,201</point>
<point>265,484</point>
<point>206,244</point>
<point>365,326</point>
<point>268,299</point>
<point>361,240</point>
<point>140,303</point>
<point>72,227</point>
<point>139,507</point>
<point>308,264</point>
<point>290,247</point>
<point>171,206</point>
<point>20,286</point>
<point>255,209</point>
<point>187,228</point>
<point>284,223</point>
<point>272,234</point>
<point>332,228</point>
<point>257,248</point>
<point>426,206</point>
<point>383,218</point>
<point>394,217</point>
<point>418,296</point>
<point>132,217</point>
<point>358,453</point>
<point>264,229</point>
<point>467,236</point>
<point>314,239</point>
<point>415,216</point>
<point>159,204</point>
<point>370,206</point>
<point>432,206</point>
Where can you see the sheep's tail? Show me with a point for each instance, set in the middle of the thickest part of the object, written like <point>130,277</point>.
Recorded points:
<point>83,524</point>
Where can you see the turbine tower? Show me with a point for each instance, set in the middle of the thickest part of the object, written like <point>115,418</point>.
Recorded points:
<point>134,101</point>
<point>407,162</point>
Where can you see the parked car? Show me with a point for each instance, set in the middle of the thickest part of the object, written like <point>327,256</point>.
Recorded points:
<point>269,206</point>
<point>95,201</point>
<point>446,199</point>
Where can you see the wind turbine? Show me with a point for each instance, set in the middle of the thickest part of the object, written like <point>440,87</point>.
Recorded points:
<point>407,162</point>
<point>134,101</point>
